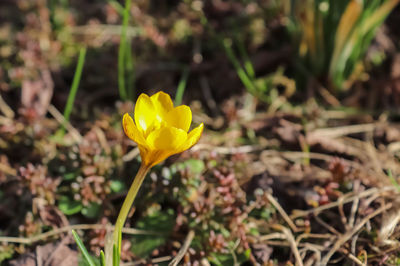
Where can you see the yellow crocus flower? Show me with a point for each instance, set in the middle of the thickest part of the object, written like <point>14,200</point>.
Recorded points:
<point>160,129</point>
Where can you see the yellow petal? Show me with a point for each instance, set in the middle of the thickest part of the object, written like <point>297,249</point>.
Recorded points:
<point>144,112</point>
<point>155,157</point>
<point>192,138</point>
<point>180,117</point>
<point>131,130</point>
<point>162,103</point>
<point>144,154</point>
<point>166,138</point>
<point>160,130</point>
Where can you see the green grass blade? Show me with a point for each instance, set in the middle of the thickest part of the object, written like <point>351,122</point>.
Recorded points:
<point>115,255</point>
<point>117,249</point>
<point>117,6</point>
<point>119,243</point>
<point>121,70</point>
<point>181,86</point>
<point>393,180</point>
<point>248,66</point>
<point>344,41</point>
<point>75,84</point>
<point>379,15</point>
<point>82,248</point>
<point>239,70</point>
<point>102,258</point>
<point>122,52</point>
<point>130,71</point>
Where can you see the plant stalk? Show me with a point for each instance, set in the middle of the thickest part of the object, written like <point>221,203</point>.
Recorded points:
<point>126,206</point>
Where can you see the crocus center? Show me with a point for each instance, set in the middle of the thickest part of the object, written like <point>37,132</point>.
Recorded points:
<point>157,123</point>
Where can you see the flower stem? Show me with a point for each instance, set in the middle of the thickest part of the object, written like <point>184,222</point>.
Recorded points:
<point>130,197</point>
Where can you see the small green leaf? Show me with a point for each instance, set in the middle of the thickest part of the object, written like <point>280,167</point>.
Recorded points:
<point>254,231</point>
<point>92,210</point>
<point>69,176</point>
<point>228,259</point>
<point>212,163</point>
<point>247,253</point>
<point>143,246</point>
<point>117,186</point>
<point>6,252</point>
<point>225,232</point>
<point>68,206</point>
<point>195,166</point>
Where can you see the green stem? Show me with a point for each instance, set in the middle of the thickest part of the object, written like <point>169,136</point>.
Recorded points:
<point>126,206</point>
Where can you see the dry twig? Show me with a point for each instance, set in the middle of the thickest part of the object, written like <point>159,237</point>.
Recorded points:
<point>68,229</point>
<point>5,109</point>
<point>183,250</point>
<point>344,238</point>
<point>345,130</point>
<point>282,212</point>
<point>7,169</point>
<point>293,245</point>
<point>153,261</point>
<point>60,119</point>
<point>347,198</point>
<point>131,155</point>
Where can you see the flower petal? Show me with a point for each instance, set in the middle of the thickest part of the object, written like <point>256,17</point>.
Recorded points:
<point>192,138</point>
<point>144,154</point>
<point>155,157</point>
<point>144,113</point>
<point>180,117</point>
<point>131,130</point>
<point>166,138</point>
<point>162,103</point>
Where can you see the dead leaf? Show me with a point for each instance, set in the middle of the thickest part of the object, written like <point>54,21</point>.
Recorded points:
<point>36,94</point>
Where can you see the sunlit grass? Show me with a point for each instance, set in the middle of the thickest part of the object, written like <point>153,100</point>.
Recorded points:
<point>75,84</point>
<point>181,86</point>
<point>125,63</point>
<point>333,36</point>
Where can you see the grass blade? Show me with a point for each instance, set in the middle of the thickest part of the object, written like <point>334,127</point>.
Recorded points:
<point>248,66</point>
<point>75,84</point>
<point>102,258</point>
<point>115,256</point>
<point>239,70</point>
<point>347,23</point>
<point>117,6</point>
<point>130,71</point>
<point>379,15</point>
<point>343,47</point>
<point>181,86</point>
<point>122,52</point>
<point>82,248</point>
<point>393,180</point>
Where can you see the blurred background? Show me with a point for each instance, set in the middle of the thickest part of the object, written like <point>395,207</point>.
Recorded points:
<point>300,100</point>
